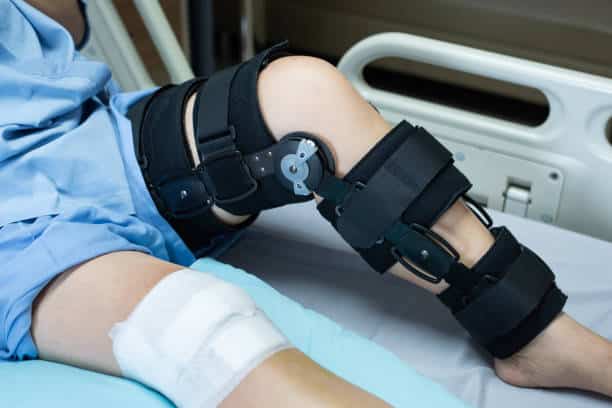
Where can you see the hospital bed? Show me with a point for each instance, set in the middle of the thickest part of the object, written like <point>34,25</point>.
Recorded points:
<point>548,183</point>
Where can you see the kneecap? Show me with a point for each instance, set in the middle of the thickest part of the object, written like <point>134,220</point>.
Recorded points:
<point>193,338</point>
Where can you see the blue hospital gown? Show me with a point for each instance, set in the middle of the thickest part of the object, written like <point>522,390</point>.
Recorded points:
<point>70,187</point>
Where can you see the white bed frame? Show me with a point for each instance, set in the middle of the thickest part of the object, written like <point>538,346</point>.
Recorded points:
<point>556,173</point>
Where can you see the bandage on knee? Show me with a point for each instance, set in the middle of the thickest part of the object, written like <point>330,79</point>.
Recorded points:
<point>193,338</point>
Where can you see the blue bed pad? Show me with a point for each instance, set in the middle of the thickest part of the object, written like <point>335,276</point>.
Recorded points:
<point>358,360</point>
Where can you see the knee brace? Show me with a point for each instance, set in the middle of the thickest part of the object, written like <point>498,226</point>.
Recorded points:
<point>384,207</point>
<point>242,168</point>
<point>193,338</point>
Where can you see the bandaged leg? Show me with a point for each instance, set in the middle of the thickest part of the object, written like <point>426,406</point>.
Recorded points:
<point>194,337</point>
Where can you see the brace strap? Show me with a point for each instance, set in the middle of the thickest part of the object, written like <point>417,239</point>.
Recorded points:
<point>403,185</point>
<point>229,178</point>
<point>385,207</point>
<point>240,159</point>
<point>175,185</point>
<point>507,298</point>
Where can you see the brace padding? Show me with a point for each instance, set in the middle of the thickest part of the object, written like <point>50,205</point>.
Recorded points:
<point>174,183</point>
<point>384,208</point>
<point>408,177</point>
<point>507,298</point>
<point>237,150</point>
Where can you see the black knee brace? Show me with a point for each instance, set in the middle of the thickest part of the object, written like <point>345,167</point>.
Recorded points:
<point>384,208</point>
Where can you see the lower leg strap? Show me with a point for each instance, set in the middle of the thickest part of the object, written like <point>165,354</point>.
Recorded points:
<point>393,196</point>
<point>507,298</point>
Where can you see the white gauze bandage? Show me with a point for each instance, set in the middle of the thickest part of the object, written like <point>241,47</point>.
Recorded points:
<point>193,338</point>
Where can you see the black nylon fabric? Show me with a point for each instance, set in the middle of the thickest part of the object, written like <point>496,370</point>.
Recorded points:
<point>504,301</point>
<point>400,179</point>
<point>225,175</point>
<point>438,189</point>
<point>504,251</point>
<point>437,197</point>
<point>212,120</point>
<point>504,305</point>
<point>549,308</point>
<point>507,298</point>
<point>176,188</point>
<point>167,156</point>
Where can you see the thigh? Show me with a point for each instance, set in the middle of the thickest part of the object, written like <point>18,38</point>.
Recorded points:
<point>74,314</point>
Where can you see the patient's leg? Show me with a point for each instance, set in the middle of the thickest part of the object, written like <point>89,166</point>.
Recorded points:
<point>73,316</point>
<point>307,94</point>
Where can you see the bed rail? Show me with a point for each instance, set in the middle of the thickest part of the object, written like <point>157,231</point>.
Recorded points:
<point>558,172</point>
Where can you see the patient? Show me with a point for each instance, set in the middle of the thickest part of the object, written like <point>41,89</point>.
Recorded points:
<point>101,242</point>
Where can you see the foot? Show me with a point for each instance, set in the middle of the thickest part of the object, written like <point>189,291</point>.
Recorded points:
<point>565,355</point>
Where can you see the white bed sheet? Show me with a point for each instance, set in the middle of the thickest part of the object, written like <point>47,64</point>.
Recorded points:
<point>323,276</point>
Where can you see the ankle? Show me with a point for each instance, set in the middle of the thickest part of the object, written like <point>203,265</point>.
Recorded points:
<point>565,355</point>
<point>596,366</point>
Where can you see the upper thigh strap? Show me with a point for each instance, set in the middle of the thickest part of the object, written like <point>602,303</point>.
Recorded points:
<point>240,159</point>
<point>174,183</point>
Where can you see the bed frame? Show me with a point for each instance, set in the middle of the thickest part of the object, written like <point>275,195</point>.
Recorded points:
<point>557,172</point>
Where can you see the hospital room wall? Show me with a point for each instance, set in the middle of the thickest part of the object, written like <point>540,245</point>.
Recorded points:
<point>176,11</point>
<point>565,33</point>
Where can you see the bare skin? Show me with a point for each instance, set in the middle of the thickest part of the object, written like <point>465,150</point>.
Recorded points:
<point>565,355</point>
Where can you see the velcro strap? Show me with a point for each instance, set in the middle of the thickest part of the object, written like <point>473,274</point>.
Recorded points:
<point>548,309</point>
<point>160,147</point>
<point>464,286</point>
<point>176,188</point>
<point>212,102</point>
<point>503,306</point>
<point>227,175</point>
<point>369,212</point>
<point>437,197</point>
<point>160,140</point>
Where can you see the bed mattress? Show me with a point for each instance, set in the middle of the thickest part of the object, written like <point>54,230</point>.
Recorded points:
<point>296,252</point>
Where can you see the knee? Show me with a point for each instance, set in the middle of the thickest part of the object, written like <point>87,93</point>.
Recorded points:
<point>300,92</point>
<point>299,77</point>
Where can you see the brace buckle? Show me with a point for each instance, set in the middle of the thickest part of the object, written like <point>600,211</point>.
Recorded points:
<point>252,188</point>
<point>436,239</point>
